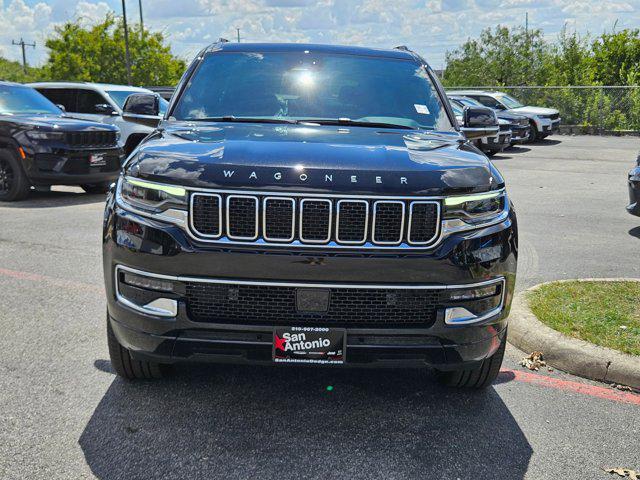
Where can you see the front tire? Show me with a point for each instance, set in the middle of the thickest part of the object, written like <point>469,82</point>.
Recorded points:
<point>96,188</point>
<point>14,184</point>
<point>477,378</point>
<point>126,366</point>
<point>533,132</point>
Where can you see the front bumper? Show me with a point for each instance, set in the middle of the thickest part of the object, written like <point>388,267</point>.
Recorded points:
<point>519,134</point>
<point>134,242</point>
<point>73,167</point>
<point>634,192</point>
<point>550,126</point>
<point>498,142</point>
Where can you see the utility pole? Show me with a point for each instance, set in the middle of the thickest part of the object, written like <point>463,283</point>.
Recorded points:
<point>238,30</point>
<point>141,21</point>
<point>126,42</point>
<point>23,44</point>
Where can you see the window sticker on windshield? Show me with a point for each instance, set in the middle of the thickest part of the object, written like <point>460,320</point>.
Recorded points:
<point>421,109</point>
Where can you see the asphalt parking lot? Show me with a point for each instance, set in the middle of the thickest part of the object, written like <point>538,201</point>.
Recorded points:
<point>63,413</point>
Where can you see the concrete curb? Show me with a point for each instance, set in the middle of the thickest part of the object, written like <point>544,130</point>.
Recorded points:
<point>575,356</point>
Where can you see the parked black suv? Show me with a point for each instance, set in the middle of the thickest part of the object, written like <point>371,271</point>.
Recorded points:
<point>310,204</point>
<point>40,146</point>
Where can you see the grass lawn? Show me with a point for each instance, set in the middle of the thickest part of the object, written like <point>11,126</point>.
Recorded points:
<point>604,313</point>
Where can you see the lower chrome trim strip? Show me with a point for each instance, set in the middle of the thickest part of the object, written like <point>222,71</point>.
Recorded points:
<point>310,285</point>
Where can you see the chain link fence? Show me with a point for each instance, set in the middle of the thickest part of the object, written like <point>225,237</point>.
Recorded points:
<point>584,109</point>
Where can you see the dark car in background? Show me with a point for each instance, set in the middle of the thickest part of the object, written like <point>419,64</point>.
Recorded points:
<point>634,190</point>
<point>492,143</point>
<point>310,204</point>
<point>518,124</point>
<point>543,121</point>
<point>40,146</point>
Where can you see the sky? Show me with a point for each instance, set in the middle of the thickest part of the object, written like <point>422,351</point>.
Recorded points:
<point>430,27</point>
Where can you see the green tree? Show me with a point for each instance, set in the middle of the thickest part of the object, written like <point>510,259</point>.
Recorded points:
<point>13,72</point>
<point>616,58</point>
<point>568,61</point>
<point>97,54</point>
<point>501,56</point>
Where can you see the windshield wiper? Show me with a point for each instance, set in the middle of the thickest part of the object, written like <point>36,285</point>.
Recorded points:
<point>354,123</point>
<point>231,118</point>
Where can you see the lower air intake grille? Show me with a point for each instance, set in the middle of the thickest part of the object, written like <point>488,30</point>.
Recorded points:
<point>276,305</point>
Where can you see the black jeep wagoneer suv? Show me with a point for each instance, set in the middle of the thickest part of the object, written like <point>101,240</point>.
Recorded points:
<point>310,204</point>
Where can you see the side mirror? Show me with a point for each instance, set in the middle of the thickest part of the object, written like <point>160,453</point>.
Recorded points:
<point>142,108</point>
<point>61,107</point>
<point>479,122</point>
<point>104,108</point>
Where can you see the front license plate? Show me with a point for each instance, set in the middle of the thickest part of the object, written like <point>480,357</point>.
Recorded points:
<point>309,345</point>
<point>97,160</point>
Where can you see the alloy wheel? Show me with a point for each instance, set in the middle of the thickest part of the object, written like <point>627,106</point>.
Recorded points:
<point>6,177</point>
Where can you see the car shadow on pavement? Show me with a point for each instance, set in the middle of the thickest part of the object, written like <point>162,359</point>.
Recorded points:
<point>547,141</point>
<point>635,232</point>
<point>260,422</point>
<point>55,199</point>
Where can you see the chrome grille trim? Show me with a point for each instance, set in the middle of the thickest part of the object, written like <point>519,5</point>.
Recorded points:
<point>373,229</point>
<point>192,226</point>
<point>257,205</point>
<point>332,241</point>
<point>366,222</point>
<point>438,223</point>
<point>325,200</point>
<point>264,219</point>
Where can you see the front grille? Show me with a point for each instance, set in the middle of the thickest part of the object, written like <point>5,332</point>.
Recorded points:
<point>389,222</point>
<point>334,222</point>
<point>315,220</point>
<point>554,116</point>
<point>423,221</point>
<point>91,139</point>
<point>505,127</point>
<point>207,214</point>
<point>279,219</point>
<point>242,217</point>
<point>352,221</point>
<point>276,305</point>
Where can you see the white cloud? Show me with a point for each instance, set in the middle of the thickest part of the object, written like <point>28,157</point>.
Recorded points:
<point>429,26</point>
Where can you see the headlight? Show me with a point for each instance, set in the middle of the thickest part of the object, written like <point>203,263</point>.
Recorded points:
<point>151,197</point>
<point>467,212</point>
<point>44,135</point>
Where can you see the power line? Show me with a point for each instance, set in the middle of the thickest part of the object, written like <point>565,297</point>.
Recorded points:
<point>126,42</point>
<point>23,44</point>
<point>141,20</point>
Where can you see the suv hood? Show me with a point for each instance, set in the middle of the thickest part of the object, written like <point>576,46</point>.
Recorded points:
<point>55,122</point>
<point>528,110</point>
<point>313,158</point>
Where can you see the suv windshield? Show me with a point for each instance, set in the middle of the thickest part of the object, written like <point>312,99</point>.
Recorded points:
<point>510,102</point>
<point>295,86</point>
<point>15,100</point>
